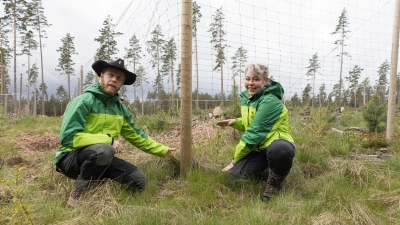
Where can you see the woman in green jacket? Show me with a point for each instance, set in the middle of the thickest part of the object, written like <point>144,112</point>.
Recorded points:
<point>90,129</point>
<point>267,145</point>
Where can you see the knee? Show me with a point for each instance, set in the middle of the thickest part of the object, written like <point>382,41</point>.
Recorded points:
<point>283,152</point>
<point>280,157</point>
<point>108,153</point>
<point>104,154</point>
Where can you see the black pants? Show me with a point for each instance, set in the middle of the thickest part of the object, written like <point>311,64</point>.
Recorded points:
<point>277,157</point>
<point>97,162</point>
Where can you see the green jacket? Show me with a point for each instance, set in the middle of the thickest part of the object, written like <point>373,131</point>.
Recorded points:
<point>264,120</point>
<point>97,118</point>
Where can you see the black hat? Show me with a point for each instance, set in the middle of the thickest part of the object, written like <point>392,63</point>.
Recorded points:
<point>118,64</point>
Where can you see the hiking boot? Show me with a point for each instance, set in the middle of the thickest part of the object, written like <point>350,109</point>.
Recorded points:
<point>274,183</point>
<point>78,190</point>
<point>74,196</point>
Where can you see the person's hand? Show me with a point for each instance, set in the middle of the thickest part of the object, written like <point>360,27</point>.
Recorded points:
<point>170,150</point>
<point>173,162</point>
<point>117,146</point>
<point>170,157</point>
<point>224,123</point>
<point>169,154</point>
<point>228,167</point>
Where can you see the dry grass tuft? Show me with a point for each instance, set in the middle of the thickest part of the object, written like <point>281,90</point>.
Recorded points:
<point>325,218</point>
<point>391,202</point>
<point>38,142</point>
<point>361,214</point>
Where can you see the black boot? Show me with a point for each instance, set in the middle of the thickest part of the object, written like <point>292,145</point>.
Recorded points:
<point>78,190</point>
<point>274,183</point>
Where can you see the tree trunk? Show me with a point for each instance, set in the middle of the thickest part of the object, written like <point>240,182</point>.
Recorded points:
<point>186,109</point>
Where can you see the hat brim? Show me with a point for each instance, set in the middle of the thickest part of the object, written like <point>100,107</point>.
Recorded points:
<point>100,65</point>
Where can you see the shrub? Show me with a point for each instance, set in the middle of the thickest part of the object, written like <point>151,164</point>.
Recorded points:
<point>375,115</point>
<point>375,141</point>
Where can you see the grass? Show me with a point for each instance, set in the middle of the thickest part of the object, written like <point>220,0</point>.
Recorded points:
<point>336,179</point>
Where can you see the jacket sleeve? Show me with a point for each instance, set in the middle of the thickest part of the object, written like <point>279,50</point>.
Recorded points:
<point>239,125</point>
<point>72,133</point>
<point>140,139</point>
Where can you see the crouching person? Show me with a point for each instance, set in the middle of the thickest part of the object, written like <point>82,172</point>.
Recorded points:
<point>267,146</point>
<point>89,134</point>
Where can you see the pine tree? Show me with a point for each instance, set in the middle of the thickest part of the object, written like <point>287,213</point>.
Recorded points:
<point>154,47</point>
<point>306,95</point>
<point>133,55</point>
<point>141,74</point>
<point>65,62</point>
<point>32,79</point>
<point>341,30</point>
<point>38,21</point>
<point>322,95</point>
<point>374,114</point>
<point>367,90</point>
<point>108,44</point>
<point>312,70</point>
<point>382,81</point>
<point>354,76</point>
<point>336,92</point>
<point>43,89</point>
<point>62,96</point>
<point>5,55</point>
<point>238,64</point>
<point>295,101</point>
<point>15,16</point>
<point>168,57</point>
<point>28,44</point>
<point>219,44</point>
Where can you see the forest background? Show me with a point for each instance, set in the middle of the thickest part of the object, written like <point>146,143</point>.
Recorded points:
<point>325,53</point>
<point>345,170</point>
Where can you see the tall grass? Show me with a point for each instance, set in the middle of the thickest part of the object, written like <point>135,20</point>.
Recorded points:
<point>335,179</point>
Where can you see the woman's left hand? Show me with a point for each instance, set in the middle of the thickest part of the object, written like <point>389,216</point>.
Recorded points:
<point>224,123</point>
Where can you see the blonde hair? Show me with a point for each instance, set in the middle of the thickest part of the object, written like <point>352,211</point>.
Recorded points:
<point>259,70</point>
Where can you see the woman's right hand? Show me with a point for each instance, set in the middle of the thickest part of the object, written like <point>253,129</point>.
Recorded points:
<point>224,123</point>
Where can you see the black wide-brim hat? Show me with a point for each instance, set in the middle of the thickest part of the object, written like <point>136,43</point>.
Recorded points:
<point>118,64</point>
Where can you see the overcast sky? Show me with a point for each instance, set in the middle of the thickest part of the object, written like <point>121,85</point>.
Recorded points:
<point>283,34</point>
